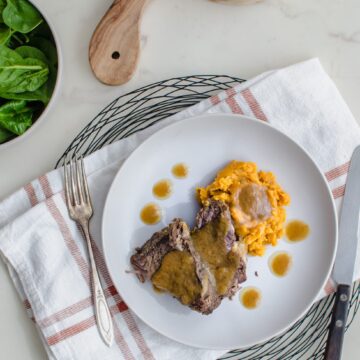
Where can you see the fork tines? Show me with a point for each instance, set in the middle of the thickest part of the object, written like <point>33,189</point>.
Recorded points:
<point>76,186</point>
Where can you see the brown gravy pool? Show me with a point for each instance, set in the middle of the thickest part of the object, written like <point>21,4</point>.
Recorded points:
<point>250,297</point>
<point>280,263</point>
<point>180,170</point>
<point>162,189</point>
<point>297,230</point>
<point>150,214</point>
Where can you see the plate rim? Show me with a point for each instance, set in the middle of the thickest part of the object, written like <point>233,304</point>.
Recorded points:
<point>334,216</point>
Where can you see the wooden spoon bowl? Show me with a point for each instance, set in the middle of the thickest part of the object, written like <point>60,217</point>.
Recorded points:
<point>115,45</point>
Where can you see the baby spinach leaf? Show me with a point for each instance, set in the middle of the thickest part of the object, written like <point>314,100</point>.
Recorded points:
<point>31,52</point>
<point>12,106</point>
<point>5,135</point>
<point>21,16</point>
<point>18,39</point>
<point>48,87</point>
<point>43,30</point>
<point>31,80</point>
<point>15,116</point>
<point>2,7</point>
<point>47,47</point>
<point>5,34</point>
<point>8,55</point>
<point>18,74</point>
<point>40,94</point>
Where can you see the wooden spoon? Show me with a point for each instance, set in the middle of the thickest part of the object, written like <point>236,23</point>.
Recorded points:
<point>115,45</point>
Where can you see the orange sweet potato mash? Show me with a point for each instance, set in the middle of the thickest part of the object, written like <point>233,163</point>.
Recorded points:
<point>257,203</point>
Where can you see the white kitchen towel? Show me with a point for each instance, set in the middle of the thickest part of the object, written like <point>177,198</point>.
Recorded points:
<point>45,251</point>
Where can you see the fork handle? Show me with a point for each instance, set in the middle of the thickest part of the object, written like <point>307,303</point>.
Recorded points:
<point>102,311</point>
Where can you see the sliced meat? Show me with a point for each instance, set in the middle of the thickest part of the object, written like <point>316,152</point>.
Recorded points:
<point>147,259</point>
<point>210,213</point>
<point>214,210</point>
<point>179,234</point>
<point>180,239</point>
<point>194,281</point>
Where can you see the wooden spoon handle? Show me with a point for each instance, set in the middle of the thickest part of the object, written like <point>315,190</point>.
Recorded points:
<point>115,45</point>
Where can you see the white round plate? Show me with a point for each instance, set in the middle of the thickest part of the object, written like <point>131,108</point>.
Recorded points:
<point>206,144</point>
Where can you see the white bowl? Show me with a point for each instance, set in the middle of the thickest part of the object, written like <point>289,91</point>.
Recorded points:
<point>48,107</point>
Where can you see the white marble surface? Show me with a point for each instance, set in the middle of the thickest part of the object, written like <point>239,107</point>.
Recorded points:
<point>180,37</point>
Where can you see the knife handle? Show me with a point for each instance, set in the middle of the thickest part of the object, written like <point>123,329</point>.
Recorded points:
<point>115,45</point>
<point>338,323</point>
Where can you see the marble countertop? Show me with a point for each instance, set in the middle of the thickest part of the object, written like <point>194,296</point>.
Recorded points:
<point>179,37</point>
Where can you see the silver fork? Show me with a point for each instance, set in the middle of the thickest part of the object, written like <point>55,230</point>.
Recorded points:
<point>81,210</point>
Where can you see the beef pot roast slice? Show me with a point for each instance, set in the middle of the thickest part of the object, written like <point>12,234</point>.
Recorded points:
<point>179,234</point>
<point>147,258</point>
<point>209,299</point>
<point>180,239</point>
<point>210,213</point>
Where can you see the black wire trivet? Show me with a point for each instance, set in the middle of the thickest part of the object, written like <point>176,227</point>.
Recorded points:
<point>146,106</point>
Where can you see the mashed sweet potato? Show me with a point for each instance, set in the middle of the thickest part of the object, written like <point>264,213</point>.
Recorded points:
<point>256,203</point>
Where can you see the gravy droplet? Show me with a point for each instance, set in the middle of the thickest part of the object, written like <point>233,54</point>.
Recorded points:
<point>162,189</point>
<point>180,170</point>
<point>250,297</point>
<point>297,230</point>
<point>280,263</point>
<point>150,214</point>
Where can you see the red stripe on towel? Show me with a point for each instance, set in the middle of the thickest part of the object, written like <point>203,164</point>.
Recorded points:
<point>230,92</point>
<point>329,287</point>
<point>234,106</point>
<point>87,324</point>
<point>27,304</point>
<point>75,308</point>
<point>338,192</point>
<point>215,99</point>
<point>69,241</point>
<point>253,104</point>
<point>71,331</point>
<point>30,191</point>
<point>45,186</point>
<point>338,171</point>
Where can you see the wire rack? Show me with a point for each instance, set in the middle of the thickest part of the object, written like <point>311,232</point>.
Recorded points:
<point>150,104</point>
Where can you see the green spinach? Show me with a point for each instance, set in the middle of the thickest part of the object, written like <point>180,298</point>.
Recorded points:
<point>21,16</point>
<point>44,92</point>
<point>31,52</point>
<point>5,34</point>
<point>40,94</point>
<point>48,48</point>
<point>2,7</point>
<point>18,74</point>
<point>28,66</point>
<point>43,31</point>
<point>15,116</point>
<point>5,135</point>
